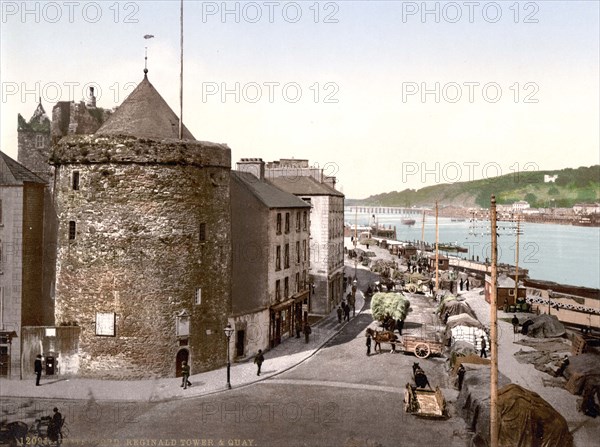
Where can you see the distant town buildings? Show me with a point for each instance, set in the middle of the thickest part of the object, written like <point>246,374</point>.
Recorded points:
<point>520,206</point>
<point>586,208</point>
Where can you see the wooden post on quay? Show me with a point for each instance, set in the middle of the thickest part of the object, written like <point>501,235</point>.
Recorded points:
<point>437,255</point>
<point>517,259</point>
<point>494,330</point>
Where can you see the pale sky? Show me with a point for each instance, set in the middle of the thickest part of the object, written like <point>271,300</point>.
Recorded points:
<point>508,85</point>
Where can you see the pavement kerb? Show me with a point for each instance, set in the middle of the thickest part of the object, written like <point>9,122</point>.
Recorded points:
<point>87,392</point>
<point>265,378</point>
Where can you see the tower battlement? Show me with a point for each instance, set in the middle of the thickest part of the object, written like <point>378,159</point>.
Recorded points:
<point>92,149</point>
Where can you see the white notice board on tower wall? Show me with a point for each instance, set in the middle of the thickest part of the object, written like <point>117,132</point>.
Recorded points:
<point>105,323</point>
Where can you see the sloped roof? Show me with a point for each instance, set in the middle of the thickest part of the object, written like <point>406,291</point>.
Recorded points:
<point>13,173</point>
<point>268,194</point>
<point>144,114</point>
<point>304,185</point>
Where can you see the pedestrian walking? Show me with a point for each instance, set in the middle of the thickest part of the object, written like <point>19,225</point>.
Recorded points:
<point>483,348</point>
<point>461,376</point>
<point>431,287</point>
<point>37,367</point>
<point>259,359</point>
<point>446,316</point>
<point>298,327</point>
<point>467,283</point>
<point>461,284</point>
<point>185,375</point>
<point>368,344</point>
<point>515,323</point>
<point>339,314</point>
<point>347,312</point>
<point>307,330</point>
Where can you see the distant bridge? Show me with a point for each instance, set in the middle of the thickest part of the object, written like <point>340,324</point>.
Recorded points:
<point>386,210</point>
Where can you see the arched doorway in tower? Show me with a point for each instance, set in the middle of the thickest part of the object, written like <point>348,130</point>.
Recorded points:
<point>183,355</point>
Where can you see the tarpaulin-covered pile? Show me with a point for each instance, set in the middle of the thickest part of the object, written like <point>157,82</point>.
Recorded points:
<point>525,419</point>
<point>454,306</point>
<point>546,326</point>
<point>583,374</point>
<point>582,370</point>
<point>473,401</point>
<point>465,328</point>
<point>393,304</point>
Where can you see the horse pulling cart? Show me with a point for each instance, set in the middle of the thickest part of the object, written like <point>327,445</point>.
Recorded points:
<point>421,347</point>
<point>425,403</point>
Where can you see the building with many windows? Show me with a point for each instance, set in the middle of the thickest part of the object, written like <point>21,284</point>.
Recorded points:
<point>326,226</point>
<point>270,231</point>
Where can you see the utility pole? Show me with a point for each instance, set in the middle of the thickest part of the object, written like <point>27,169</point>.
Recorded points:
<point>355,239</point>
<point>437,255</point>
<point>517,258</point>
<point>494,330</point>
<point>423,232</point>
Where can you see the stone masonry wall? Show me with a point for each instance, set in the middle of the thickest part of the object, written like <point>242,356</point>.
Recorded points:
<point>33,158</point>
<point>137,251</point>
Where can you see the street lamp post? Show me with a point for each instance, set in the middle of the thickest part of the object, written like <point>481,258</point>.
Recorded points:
<point>228,331</point>
<point>354,289</point>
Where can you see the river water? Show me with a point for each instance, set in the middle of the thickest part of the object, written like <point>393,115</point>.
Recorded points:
<point>561,253</point>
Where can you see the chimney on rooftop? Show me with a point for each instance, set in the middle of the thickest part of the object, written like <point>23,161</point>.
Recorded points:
<point>329,181</point>
<point>255,166</point>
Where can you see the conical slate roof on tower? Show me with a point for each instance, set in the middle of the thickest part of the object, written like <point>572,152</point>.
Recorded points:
<point>144,114</point>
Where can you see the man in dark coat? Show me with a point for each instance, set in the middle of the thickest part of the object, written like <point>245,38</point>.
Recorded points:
<point>399,325</point>
<point>347,312</point>
<point>515,323</point>
<point>185,374</point>
<point>483,348</point>
<point>259,359</point>
<point>368,344</point>
<point>307,330</point>
<point>55,427</point>
<point>339,314</point>
<point>37,367</point>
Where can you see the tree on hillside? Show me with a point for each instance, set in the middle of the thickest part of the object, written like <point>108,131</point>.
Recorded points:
<point>531,199</point>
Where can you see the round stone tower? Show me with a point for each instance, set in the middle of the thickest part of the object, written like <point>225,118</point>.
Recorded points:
<point>144,250</point>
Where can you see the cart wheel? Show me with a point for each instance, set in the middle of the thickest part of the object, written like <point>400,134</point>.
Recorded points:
<point>422,350</point>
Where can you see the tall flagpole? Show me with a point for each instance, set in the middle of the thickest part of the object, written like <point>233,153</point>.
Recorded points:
<point>494,429</point>
<point>181,75</point>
